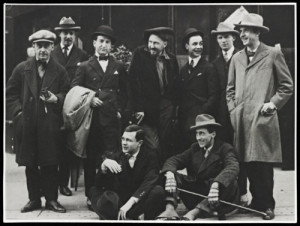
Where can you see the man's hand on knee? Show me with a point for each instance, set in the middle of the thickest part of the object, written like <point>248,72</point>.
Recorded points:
<point>171,185</point>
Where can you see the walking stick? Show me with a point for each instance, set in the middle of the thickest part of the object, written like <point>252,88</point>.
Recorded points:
<point>224,202</point>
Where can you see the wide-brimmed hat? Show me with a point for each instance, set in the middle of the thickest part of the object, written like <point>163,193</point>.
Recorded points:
<point>189,32</point>
<point>252,20</point>
<point>67,23</point>
<point>106,31</point>
<point>106,205</point>
<point>204,120</point>
<point>158,31</point>
<point>42,36</point>
<point>225,28</point>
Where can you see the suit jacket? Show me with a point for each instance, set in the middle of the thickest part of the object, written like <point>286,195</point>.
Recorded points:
<point>136,181</point>
<point>37,133</point>
<point>266,78</point>
<point>144,84</point>
<point>199,92</point>
<point>110,86</point>
<point>76,56</point>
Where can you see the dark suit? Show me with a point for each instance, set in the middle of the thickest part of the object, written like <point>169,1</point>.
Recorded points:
<point>138,182</point>
<point>36,139</point>
<point>110,87</point>
<point>71,63</point>
<point>222,115</point>
<point>199,96</point>
<point>221,165</point>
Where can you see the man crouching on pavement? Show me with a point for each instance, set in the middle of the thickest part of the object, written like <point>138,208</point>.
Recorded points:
<point>125,183</point>
<point>212,169</point>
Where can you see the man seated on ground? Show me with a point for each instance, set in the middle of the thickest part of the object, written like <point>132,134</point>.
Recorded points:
<point>125,183</point>
<point>212,169</point>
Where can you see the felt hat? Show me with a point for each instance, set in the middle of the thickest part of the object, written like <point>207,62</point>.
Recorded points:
<point>252,20</point>
<point>157,31</point>
<point>67,23</point>
<point>204,120</point>
<point>106,31</point>
<point>225,28</point>
<point>189,32</point>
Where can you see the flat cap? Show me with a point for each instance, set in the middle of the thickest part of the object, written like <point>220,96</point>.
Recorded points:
<point>42,36</point>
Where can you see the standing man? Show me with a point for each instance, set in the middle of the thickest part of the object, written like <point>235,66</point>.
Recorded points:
<point>106,76</point>
<point>199,85</point>
<point>154,80</point>
<point>259,84</point>
<point>69,56</point>
<point>35,95</point>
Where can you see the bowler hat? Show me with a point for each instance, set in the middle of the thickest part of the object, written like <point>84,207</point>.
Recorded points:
<point>225,28</point>
<point>252,20</point>
<point>42,36</point>
<point>204,120</point>
<point>189,33</point>
<point>157,31</point>
<point>106,31</point>
<point>106,205</point>
<point>67,23</point>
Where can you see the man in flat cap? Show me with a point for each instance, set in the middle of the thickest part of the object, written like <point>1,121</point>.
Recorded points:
<point>212,169</point>
<point>259,84</point>
<point>106,76</point>
<point>69,56</point>
<point>199,85</point>
<point>35,95</point>
<point>154,79</point>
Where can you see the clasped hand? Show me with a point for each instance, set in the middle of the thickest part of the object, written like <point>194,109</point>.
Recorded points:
<point>112,165</point>
<point>51,99</point>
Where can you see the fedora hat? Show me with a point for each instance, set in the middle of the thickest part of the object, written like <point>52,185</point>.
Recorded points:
<point>252,20</point>
<point>204,120</point>
<point>106,31</point>
<point>157,31</point>
<point>106,205</point>
<point>42,36</point>
<point>225,28</point>
<point>189,33</point>
<point>67,23</point>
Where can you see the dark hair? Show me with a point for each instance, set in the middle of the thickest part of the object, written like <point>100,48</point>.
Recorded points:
<point>140,133</point>
<point>95,37</point>
<point>187,41</point>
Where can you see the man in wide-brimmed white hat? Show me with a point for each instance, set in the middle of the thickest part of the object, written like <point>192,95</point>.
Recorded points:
<point>259,84</point>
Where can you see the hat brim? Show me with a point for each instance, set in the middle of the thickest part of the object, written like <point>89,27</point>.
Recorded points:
<point>76,28</point>
<point>42,40</point>
<point>215,32</point>
<point>157,31</point>
<point>262,28</point>
<point>185,38</point>
<point>205,125</point>
<point>113,39</point>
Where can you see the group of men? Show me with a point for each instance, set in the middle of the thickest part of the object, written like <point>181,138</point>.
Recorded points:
<point>230,106</point>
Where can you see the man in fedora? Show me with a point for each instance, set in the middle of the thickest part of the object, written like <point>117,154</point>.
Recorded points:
<point>199,85</point>
<point>259,84</point>
<point>35,94</point>
<point>106,76</point>
<point>69,56</point>
<point>154,79</point>
<point>125,181</point>
<point>212,169</point>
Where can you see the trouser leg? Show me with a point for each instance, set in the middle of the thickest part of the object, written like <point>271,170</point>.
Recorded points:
<point>49,178</point>
<point>242,180</point>
<point>33,182</point>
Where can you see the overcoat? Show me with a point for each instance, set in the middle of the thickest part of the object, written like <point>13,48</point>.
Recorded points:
<point>199,92</point>
<point>266,78</point>
<point>36,132</point>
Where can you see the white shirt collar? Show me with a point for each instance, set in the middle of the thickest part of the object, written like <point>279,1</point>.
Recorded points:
<point>254,49</point>
<point>229,52</point>
<point>103,63</point>
<point>196,60</point>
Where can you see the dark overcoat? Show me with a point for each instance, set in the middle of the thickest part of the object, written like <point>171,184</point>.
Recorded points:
<point>36,132</point>
<point>144,84</point>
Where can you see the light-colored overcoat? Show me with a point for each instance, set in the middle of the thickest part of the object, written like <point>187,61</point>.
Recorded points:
<point>266,78</point>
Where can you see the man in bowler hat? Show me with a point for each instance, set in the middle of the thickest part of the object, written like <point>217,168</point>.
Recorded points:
<point>125,181</point>
<point>154,79</point>
<point>35,94</point>
<point>69,56</point>
<point>212,168</point>
<point>199,85</point>
<point>106,76</point>
<point>259,84</point>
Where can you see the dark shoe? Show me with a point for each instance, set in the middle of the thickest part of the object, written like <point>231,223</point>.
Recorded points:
<point>64,190</point>
<point>31,205</point>
<point>270,214</point>
<point>55,206</point>
<point>89,205</point>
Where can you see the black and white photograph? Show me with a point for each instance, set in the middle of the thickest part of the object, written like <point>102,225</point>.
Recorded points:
<point>150,112</point>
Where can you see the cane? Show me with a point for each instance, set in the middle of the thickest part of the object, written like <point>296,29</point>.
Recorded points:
<point>224,202</point>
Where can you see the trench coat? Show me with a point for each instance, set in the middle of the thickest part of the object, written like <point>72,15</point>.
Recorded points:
<point>37,133</point>
<point>266,78</point>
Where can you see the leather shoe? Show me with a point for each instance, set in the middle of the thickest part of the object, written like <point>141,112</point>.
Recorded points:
<point>31,205</point>
<point>64,190</point>
<point>270,214</point>
<point>89,205</point>
<point>55,206</point>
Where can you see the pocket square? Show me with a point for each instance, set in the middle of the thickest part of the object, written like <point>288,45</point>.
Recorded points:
<point>116,73</point>
<point>78,64</point>
<point>199,74</point>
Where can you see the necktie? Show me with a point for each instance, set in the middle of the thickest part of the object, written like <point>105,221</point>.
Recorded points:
<point>206,153</point>
<point>226,58</point>
<point>103,58</point>
<point>130,160</point>
<point>65,52</point>
<point>161,74</point>
<point>250,53</point>
<point>191,66</point>
<point>41,69</point>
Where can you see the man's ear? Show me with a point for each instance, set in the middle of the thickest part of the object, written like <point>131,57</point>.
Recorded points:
<point>165,44</point>
<point>141,142</point>
<point>186,46</point>
<point>233,37</point>
<point>214,134</point>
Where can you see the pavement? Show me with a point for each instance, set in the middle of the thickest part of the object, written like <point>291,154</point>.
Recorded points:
<point>15,196</point>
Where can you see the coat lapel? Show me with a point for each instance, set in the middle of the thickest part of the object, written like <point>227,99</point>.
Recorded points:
<point>243,58</point>
<point>59,57</point>
<point>30,75</point>
<point>198,69</point>
<point>261,53</point>
<point>96,66</point>
<point>72,56</point>
<point>110,70</point>
<point>50,74</point>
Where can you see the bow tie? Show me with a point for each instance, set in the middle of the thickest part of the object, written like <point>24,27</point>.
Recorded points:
<point>103,57</point>
<point>250,53</point>
<point>41,63</point>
